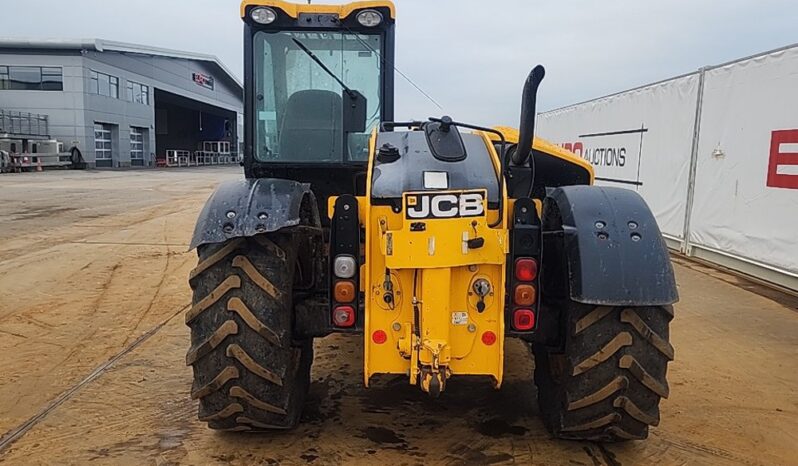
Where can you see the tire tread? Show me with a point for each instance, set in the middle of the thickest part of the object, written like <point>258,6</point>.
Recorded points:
<point>249,374</point>
<point>607,381</point>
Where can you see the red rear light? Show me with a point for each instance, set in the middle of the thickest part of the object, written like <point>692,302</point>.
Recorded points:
<point>526,269</point>
<point>523,319</point>
<point>344,316</point>
<point>488,338</point>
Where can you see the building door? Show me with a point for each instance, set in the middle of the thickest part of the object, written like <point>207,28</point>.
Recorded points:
<point>136,147</point>
<point>103,152</point>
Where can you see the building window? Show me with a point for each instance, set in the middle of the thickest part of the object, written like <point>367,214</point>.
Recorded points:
<point>52,79</point>
<point>104,84</point>
<point>136,146</point>
<point>102,143</point>
<point>31,78</point>
<point>138,93</point>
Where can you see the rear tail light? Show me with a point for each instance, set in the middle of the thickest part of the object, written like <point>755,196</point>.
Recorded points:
<point>526,269</point>
<point>524,295</point>
<point>345,291</point>
<point>344,316</point>
<point>344,266</point>
<point>523,319</point>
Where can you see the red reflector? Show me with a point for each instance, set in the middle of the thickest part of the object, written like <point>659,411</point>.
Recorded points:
<point>523,319</point>
<point>526,269</point>
<point>488,338</point>
<point>379,337</point>
<point>344,316</point>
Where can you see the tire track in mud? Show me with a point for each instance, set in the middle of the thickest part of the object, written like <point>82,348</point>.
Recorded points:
<point>600,455</point>
<point>690,446</point>
<point>121,243</point>
<point>144,215</point>
<point>16,433</point>
<point>159,286</point>
<point>103,290</point>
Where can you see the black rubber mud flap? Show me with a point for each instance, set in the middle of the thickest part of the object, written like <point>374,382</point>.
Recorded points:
<point>604,243</point>
<point>249,207</point>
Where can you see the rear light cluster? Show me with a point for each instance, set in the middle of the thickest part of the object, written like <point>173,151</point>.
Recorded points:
<point>344,265</point>
<point>524,293</point>
<point>344,294</point>
<point>523,274</point>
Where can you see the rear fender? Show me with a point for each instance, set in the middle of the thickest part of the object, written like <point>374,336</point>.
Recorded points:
<point>248,207</point>
<point>605,245</point>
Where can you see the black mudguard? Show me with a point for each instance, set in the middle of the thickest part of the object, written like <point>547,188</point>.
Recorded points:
<point>608,247</point>
<point>247,207</point>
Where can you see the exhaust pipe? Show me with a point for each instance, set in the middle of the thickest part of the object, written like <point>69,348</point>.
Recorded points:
<point>528,112</point>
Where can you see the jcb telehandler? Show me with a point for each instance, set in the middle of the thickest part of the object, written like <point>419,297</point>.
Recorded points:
<point>436,240</point>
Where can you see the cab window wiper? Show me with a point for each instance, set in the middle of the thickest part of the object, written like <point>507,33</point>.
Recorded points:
<point>313,56</point>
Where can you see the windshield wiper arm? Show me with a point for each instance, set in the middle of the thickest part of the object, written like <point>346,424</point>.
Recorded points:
<point>349,91</point>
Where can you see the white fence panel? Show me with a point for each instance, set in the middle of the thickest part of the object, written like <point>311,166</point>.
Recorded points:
<point>639,139</point>
<point>741,208</point>
<point>746,187</point>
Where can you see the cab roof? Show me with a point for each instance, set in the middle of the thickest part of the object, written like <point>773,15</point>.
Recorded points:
<point>294,9</point>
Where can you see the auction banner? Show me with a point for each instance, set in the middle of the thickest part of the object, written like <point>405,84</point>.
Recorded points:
<point>639,139</point>
<point>746,186</point>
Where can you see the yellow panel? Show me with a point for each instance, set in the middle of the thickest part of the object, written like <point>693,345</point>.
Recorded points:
<point>442,245</point>
<point>294,9</point>
<point>450,325</point>
<point>442,291</point>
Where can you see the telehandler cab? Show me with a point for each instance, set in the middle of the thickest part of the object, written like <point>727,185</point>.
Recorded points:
<point>436,240</point>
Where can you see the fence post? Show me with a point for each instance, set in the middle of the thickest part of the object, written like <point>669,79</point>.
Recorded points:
<point>688,209</point>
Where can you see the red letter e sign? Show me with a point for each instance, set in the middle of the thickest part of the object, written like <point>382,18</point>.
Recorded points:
<point>783,165</point>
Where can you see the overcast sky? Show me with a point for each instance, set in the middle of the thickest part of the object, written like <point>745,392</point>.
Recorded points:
<point>471,56</point>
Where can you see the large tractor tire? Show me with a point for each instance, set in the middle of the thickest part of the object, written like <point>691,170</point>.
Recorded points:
<point>249,373</point>
<point>607,383</point>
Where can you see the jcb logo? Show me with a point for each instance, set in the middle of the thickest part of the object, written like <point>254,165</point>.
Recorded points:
<point>445,205</point>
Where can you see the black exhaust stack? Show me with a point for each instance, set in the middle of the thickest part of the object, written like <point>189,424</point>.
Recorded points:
<point>528,111</point>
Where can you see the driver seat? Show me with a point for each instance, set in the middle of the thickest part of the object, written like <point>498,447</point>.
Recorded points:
<point>312,127</point>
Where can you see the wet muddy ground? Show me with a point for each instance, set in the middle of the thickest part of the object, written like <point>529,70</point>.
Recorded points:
<point>93,269</point>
